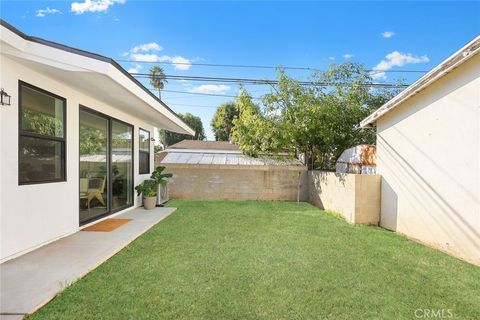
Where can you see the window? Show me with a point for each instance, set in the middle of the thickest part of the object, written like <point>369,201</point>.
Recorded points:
<point>144,149</point>
<point>41,142</point>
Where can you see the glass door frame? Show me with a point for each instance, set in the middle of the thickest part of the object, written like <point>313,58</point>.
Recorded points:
<point>109,119</point>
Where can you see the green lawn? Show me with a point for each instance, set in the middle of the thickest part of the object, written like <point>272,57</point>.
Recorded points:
<point>269,260</point>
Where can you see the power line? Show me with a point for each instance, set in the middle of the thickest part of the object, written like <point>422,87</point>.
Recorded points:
<point>256,66</point>
<point>193,105</point>
<point>203,94</point>
<point>252,81</point>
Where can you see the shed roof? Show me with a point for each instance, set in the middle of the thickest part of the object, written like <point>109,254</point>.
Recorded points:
<point>205,145</point>
<point>221,158</point>
<point>468,51</point>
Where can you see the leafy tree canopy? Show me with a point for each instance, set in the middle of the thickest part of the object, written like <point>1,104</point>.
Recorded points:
<point>222,122</point>
<point>319,121</point>
<point>168,138</point>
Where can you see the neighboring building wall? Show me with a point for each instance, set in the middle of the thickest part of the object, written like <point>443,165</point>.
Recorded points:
<point>32,215</point>
<point>355,197</point>
<point>237,182</point>
<point>429,157</point>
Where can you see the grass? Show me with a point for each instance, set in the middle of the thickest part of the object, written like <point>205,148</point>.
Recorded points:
<point>269,260</point>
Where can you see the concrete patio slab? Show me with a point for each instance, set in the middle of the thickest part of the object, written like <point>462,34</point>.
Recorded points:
<point>31,280</point>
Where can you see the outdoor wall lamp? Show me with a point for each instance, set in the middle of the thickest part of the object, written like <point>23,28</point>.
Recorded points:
<point>4,98</point>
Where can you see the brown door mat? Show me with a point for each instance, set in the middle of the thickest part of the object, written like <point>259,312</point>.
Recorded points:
<point>107,225</point>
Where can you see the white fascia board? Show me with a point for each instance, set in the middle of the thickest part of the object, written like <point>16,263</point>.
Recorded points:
<point>123,80</point>
<point>71,61</point>
<point>47,55</point>
<point>12,39</point>
<point>452,62</point>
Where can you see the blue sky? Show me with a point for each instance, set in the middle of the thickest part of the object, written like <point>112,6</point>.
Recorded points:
<point>381,35</point>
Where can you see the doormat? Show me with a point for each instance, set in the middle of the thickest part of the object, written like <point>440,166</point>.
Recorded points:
<point>107,225</point>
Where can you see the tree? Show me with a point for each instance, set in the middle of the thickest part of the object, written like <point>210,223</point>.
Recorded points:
<point>168,138</point>
<point>158,79</point>
<point>92,140</point>
<point>319,121</point>
<point>253,132</point>
<point>222,122</point>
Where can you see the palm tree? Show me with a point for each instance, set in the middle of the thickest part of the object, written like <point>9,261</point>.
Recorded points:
<point>158,79</point>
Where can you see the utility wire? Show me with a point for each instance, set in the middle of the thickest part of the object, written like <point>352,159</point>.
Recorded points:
<point>252,81</point>
<point>198,93</point>
<point>193,105</point>
<point>255,66</point>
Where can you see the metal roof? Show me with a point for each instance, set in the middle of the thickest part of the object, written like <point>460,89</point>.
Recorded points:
<point>204,145</point>
<point>218,158</point>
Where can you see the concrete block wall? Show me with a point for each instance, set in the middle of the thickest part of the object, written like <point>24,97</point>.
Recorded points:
<point>355,197</point>
<point>212,182</point>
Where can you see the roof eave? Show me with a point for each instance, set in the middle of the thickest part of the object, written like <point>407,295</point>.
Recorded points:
<point>452,62</point>
<point>179,121</point>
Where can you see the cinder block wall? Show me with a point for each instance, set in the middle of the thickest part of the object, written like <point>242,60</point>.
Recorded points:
<point>237,182</point>
<point>355,196</point>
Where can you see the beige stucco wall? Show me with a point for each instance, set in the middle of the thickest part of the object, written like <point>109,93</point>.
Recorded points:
<point>428,152</point>
<point>236,182</point>
<point>354,196</point>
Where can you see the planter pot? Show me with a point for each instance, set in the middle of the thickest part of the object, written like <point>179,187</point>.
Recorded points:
<point>149,202</point>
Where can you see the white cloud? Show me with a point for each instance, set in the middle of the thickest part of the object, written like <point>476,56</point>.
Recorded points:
<point>144,57</point>
<point>42,12</point>
<point>181,63</point>
<point>93,5</point>
<point>387,34</point>
<point>147,53</point>
<point>146,47</point>
<point>210,88</point>
<point>348,55</point>
<point>378,75</point>
<point>135,68</point>
<point>396,59</point>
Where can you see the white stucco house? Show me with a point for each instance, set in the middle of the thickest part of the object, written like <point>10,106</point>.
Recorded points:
<point>75,139</point>
<point>428,154</point>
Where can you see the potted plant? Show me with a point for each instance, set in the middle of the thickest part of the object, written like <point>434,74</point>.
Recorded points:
<point>149,190</point>
<point>161,179</point>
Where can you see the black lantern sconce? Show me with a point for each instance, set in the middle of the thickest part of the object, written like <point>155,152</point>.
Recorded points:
<point>4,98</point>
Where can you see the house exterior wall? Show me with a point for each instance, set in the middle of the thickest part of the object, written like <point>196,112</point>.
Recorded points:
<point>428,152</point>
<point>356,197</point>
<point>33,215</point>
<point>236,182</point>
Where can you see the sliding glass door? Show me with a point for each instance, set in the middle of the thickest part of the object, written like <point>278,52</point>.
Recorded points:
<point>122,165</point>
<point>94,166</point>
<point>106,165</point>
